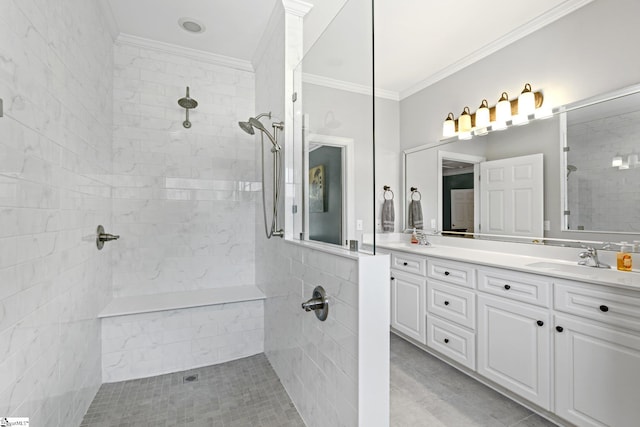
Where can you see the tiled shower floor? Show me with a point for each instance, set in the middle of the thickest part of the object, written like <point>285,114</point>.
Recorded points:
<point>244,392</point>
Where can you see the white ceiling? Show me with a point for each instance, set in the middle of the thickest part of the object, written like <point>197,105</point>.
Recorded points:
<point>417,41</point>
<point>233,27</point>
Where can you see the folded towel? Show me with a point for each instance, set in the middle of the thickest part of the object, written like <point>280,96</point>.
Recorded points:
<point>388,215</point>
<point>415,214</point>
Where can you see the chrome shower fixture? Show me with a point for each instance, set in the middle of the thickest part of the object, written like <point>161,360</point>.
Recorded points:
<point>254,122</point>
<point>571,168</point>
<point>187,103</point>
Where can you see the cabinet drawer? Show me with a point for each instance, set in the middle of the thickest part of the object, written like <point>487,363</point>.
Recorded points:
<point>452,303</point>
<point>524,287</point>
<point>614,306</point>
<point>452,341</point>
<point>409,263</point>
<point>451,272</point>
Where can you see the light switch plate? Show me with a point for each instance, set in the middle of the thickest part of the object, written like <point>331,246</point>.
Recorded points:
<point>547,225</point>
<point>359,225</point>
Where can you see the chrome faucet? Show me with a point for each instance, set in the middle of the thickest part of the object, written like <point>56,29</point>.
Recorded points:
<point>590,259</point>
<point>422,238</point>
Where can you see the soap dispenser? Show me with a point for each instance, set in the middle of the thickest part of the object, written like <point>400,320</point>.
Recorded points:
<point>414,237</point>
<point>624,257</point>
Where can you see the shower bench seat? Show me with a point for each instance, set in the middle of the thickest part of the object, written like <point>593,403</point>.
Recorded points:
<point>147,335</point>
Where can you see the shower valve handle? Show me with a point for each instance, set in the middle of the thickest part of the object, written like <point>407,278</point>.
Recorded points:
<point>318,303</point>
<point>102,237</point>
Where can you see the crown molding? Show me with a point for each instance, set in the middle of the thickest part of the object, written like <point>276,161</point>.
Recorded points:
<point>349,87</point>
<point>198,55</point>
<point>535,24</point>
<point>297,7</point>
<point>112,24</point>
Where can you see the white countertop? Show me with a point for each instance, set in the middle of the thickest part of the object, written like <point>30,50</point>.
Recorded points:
<point>572,271</point>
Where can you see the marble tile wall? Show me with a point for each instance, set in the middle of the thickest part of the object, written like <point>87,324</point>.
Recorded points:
<point>144,345</point>
<point>184,199</point>
<point>56,78</point>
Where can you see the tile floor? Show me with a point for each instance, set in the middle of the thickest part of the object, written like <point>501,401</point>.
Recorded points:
<point>244,392</point>
<point>247,392</point>
<point>427,392</point>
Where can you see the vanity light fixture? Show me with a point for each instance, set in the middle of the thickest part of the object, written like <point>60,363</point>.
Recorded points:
<point>616,162</point>
<point>483,119</point>
<point>624,165</point>
<point>464,124</point>
<point>633,160</point>
<point>449,126</point>
<point>503,112</point>
<point>498,117</point>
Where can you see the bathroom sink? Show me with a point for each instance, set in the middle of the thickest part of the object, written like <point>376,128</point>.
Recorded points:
<point>564,267</point>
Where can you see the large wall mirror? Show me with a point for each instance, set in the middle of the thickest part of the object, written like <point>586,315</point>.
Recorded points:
<point>581,165</point>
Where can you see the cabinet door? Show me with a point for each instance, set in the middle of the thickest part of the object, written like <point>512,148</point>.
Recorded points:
<point>597,374</point>
<point>407,305</point>
<point>514,347</point>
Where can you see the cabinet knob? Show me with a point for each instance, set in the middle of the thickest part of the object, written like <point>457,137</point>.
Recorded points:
<point>446,340</point>
<point>393,278</point>
<point>507,287</point>
<point>540,322</point>
<point>604,308</point>
<point>446,303</point>
<point>559,328</point>
<point>405,263</point>
<point>446,273</point>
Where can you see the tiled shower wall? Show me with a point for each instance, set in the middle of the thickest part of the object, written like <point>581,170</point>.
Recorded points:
<point>184,199</point>
<point>55,153</point>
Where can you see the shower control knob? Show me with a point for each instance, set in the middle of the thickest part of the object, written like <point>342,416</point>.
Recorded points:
<point>318,303</point>
<point>102,237</point>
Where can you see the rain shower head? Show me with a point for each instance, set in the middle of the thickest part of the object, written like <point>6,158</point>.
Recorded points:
<point>187,103</point>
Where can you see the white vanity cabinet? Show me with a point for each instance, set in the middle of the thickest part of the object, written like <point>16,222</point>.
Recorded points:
<point>514,339</point>
<point>597,347</point>
<point>408,290</point>
<point>571,348</point>
<point>514,347</point>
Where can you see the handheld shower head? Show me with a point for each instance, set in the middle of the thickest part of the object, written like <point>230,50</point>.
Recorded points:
<point>253,123</point>
<point>571,168</point>
<point>246,126</point>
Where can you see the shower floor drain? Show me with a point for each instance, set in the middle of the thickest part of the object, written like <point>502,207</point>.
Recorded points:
<point>190,378</point>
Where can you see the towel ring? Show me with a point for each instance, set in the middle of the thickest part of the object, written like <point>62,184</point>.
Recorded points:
<point>414,191</point>
<point>387,189</point>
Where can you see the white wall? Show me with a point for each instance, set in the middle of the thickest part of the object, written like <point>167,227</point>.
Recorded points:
<point>581,55</point>
<point>348,114</point>
<point>56,77</point>
<point>184,199</point>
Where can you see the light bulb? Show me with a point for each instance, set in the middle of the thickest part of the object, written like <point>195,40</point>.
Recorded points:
<point>449,126</point>
<point>616,162</point>
<point>464,121</point>
<point>526,102</point>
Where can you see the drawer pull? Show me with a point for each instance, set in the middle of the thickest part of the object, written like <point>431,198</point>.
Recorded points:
<point>604,308</point>
<point>446,340</point>
<point>540,322</point>
<point>559,328</point>
<point>446,273</point>
<point>405,263</point>
<point>446,303</point>
<point>507,287</point>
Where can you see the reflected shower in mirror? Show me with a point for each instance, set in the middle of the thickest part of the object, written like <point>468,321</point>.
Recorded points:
<point>603,172</point>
